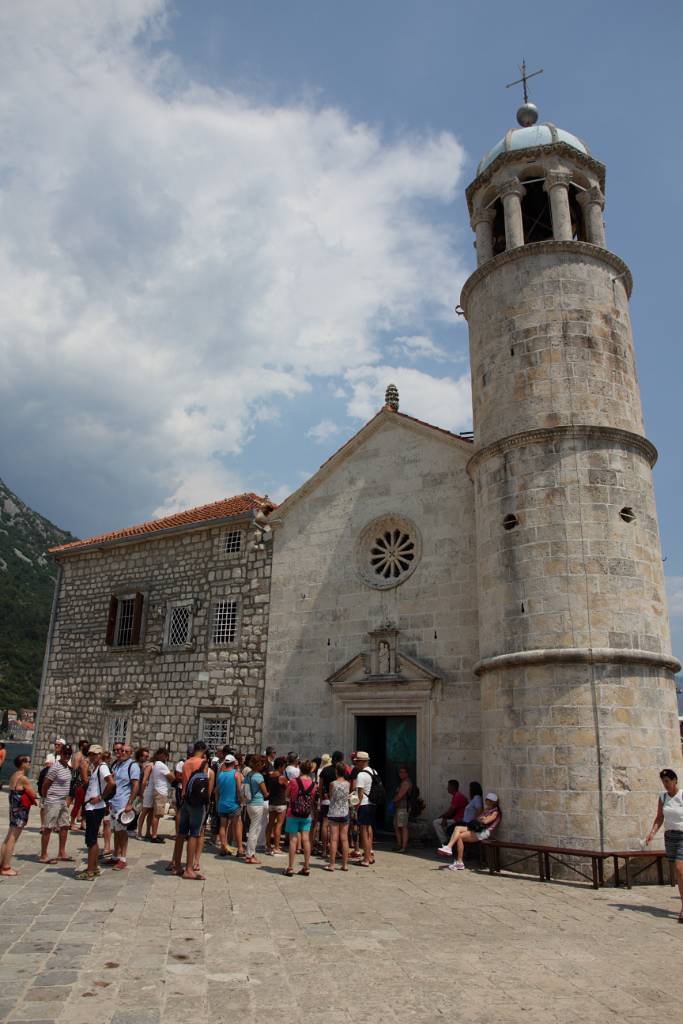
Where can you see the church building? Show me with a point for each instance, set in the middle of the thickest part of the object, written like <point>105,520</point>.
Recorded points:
<point>489,608</point>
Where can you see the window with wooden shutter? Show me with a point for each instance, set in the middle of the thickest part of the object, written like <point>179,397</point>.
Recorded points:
<point>124,624</point>
<point>111,620</point>
<point>137,617</point>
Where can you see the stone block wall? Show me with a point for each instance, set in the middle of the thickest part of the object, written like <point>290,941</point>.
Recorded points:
<point>572,573</point>
<point>164,693</point>
<point>322,611</point>
<point>550,341</point>
<point>574,751</point>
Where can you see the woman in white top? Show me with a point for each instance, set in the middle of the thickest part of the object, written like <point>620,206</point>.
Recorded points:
<point>670,814</point>
<point>338,817</point>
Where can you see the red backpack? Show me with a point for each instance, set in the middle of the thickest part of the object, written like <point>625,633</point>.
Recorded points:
<point>302,803</point>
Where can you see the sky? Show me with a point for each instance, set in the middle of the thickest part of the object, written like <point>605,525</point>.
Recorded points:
<point>225,228</point>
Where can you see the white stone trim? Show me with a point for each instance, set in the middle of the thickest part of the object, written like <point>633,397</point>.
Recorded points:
<point>585,655</point>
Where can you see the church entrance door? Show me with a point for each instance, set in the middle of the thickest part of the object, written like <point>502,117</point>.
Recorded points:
<point>390,740</point>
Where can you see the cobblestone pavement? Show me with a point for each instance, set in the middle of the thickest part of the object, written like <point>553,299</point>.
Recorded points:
<point>404,941</point>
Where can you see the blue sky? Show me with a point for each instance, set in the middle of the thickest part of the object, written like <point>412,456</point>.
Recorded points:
<point>226,226</point>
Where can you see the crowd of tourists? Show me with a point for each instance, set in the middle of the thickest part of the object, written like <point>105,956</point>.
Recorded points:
<point>240,804</point>
<point>246,805</point>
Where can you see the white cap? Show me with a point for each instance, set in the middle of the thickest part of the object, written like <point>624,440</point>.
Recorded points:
<point>230,759</point>
<point>61,740</point>
<point>493,797</point>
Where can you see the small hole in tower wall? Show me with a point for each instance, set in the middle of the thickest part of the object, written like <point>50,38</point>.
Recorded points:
<point>627,514</point>
<point>510,521</point>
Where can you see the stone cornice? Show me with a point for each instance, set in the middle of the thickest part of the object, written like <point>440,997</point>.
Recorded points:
<point>517,156</point>
<point>636,442</point>
<point>539,249</point>
<point>578,655</point>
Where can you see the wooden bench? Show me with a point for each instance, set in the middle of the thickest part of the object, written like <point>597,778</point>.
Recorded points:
<point>544,856</point>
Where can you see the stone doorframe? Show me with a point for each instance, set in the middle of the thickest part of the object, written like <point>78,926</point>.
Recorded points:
<point>412,697</point>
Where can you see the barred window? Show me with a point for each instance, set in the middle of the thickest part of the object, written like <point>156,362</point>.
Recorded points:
<point>225,622</point>
<point>179,625</point>
<point>233,542</point>
<point>124,628</point>
<point>214,730</point>
<point>118,729</point>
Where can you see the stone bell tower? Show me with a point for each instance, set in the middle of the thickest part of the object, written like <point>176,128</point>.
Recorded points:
<point>578,698</point>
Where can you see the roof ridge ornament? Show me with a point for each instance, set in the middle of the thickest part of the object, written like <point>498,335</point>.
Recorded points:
<point>391,397</point>
<point>527,115</point>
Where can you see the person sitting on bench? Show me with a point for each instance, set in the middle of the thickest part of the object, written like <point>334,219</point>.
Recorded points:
<point>481,828</point>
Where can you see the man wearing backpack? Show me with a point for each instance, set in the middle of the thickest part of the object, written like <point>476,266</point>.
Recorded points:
<point>99,789</point>
<point>126,775</point>
<point>370,790</point>
<point>196,794</point>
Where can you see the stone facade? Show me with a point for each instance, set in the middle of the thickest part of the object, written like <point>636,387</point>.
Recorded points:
<point>160,694</point>
<point>328,621</point>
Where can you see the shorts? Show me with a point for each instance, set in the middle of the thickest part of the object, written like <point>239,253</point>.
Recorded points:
<point>93,820</point>
<point>324,811</point>
<point>279,808</point>
<point>148,798</point>
<point>57,815</point>
<point>294,825</point>
<point>116,825</point>
<point>367,814</point>
<point>338,821</point>
<point>191,820</point>
<point>400,818</point>
<point>673,841</point>
<point>226,813</point>
<point>159,805</point>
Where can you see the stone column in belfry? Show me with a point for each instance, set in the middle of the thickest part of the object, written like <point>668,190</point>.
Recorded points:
<point>578,697</point>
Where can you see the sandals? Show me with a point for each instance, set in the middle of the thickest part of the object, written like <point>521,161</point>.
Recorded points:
<point>304,871</point>
<point>288,873</point>
<point>251,860</point>
<point>328,867</point>
<point>84,876</point>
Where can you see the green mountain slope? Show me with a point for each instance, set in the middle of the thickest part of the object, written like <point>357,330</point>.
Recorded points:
<point>27,579</point>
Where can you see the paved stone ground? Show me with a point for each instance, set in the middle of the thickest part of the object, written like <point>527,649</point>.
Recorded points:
<point>405,941</point>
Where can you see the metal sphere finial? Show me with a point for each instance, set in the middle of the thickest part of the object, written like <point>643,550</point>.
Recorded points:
<point>391,397</point>
<point>527,115</point>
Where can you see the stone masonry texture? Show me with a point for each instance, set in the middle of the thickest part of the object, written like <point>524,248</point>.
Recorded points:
<point>163,693</point>
<point>560,459</point>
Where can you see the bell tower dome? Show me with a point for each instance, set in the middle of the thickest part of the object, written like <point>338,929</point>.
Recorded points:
<point>578,698</point>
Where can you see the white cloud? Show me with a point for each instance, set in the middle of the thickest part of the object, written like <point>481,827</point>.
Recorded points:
<point>174,259</point>
<point>443,401</point>
<point>417,346</point>
<point>321,431</point>
<point>674,588</point>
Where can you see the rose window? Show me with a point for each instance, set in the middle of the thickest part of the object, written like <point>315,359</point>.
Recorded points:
<point>392,554</point>
<point>388,550</point>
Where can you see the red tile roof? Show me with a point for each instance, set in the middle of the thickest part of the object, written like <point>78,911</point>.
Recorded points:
<point>235,506</point>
